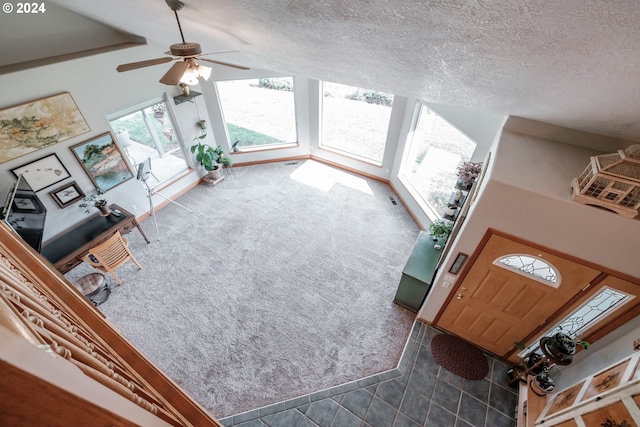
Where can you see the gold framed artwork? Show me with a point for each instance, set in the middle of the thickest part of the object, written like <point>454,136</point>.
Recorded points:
<point>38,124</point>
<point>43,173</point>
<point>103,161</point>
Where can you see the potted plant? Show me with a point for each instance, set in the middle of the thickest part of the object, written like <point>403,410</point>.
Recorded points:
<point>440,228</point>
<point>542,383</point>
<point>468,172</point>
<point>225,160</point>
<point>535,364</point>
<point>95,199</point>
<point>561,347</point>
<point>208,157</point>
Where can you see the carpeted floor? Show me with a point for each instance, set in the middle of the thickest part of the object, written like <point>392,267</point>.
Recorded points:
<point>280,284</point>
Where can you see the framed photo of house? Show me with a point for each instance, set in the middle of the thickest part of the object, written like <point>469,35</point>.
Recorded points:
<point>103,161</point>
<point>67,194</point>
<point>37,124</point>
<point>43,173</point>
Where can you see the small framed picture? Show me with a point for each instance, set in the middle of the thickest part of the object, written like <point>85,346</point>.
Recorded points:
<point>26,203</point>
<point>458,263</point>
<point>67,194</point>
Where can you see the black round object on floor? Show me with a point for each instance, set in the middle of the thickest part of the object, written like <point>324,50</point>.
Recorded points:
<point>459,357</point>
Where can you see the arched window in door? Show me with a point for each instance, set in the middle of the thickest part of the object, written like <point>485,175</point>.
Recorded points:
<point>531,267</point>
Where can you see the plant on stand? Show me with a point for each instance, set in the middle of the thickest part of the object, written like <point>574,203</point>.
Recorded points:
<point>561,346</point>
<point>209,158</point>
<point>542,383</point>
<point>95,199</point>
<point>439,229</point>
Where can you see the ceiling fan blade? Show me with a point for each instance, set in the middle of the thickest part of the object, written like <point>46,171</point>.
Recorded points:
<point>175,73</point>
<point>218,53</point>
<point>240,67</point>
<point>141,64</point>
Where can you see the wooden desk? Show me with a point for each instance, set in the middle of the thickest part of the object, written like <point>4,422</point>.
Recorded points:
<point>65,251</point>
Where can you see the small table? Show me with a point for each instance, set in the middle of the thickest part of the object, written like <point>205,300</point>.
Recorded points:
<point>94,287</point>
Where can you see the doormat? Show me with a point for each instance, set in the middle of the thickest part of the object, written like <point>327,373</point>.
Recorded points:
<point>459,357</point>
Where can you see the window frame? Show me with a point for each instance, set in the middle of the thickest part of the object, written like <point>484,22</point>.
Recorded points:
<point>259,147</point>
<point>163,98</point>
<point>426,207</point>
<point>342,152</point>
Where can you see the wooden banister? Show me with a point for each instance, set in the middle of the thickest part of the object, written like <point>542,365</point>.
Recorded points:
<point>41,309</point>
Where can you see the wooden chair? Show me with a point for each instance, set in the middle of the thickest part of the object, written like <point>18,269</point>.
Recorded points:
<point>110,255</point>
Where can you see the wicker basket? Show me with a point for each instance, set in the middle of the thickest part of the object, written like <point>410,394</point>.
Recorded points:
<point>611,181</point>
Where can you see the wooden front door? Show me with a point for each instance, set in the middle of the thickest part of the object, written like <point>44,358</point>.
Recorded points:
<point>494,307</point>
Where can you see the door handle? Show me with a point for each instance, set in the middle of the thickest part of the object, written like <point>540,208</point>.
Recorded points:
<point>463,288</point>
<point>459,296</point>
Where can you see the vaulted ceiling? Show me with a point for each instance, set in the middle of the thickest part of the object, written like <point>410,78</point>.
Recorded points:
<point>573,63</point>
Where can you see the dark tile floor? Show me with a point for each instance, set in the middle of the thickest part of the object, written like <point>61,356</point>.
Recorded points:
<point>418,393</point>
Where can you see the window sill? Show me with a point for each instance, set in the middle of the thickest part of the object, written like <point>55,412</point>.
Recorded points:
<point>256,148</point>
<point>351,156</point>
<point>424,206</point>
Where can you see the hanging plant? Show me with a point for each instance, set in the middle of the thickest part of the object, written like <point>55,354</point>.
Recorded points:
<point>159,111</point>
<point>542,383</point>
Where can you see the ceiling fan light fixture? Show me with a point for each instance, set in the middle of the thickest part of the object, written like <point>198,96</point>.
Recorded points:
<point>192,74</point>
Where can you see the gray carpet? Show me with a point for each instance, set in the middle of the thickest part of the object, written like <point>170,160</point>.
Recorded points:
<point>280,284</point>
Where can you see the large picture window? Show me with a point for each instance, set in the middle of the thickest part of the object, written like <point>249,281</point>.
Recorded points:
<point>355,120</point>
<point>434,153</point>
<point>147,131</point>
<point>259,113</point>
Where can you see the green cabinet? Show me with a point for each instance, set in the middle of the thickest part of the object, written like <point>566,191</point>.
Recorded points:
<point>418,272</point>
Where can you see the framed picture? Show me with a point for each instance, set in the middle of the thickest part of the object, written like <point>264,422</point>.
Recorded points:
<point>26,203</point>
<point>67,194</point>
<point>103,161</point>
<point>458,263</point>
<point>43,173</point>
<point>37,124</point>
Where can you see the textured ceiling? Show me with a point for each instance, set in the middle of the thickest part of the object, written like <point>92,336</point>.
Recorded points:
<point>574,63</point>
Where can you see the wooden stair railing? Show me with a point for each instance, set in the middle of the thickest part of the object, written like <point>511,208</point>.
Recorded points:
<point>48,327</point>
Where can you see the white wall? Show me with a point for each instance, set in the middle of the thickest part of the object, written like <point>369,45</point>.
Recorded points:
<point>481,127</point>
<point>98,90</point>
<point>526,193</point>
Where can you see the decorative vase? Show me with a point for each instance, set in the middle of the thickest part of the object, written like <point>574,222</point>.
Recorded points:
<point>533,360</point>
<point>560,348</point>
<point>561,345</point>
<point>216,173</point>
<point>450,211</point>
<point>461,184</point>
<point>458,195</point>
<point>104,209</point>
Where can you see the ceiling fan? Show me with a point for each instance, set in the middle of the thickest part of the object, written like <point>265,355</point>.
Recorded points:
<point>187,70</point>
